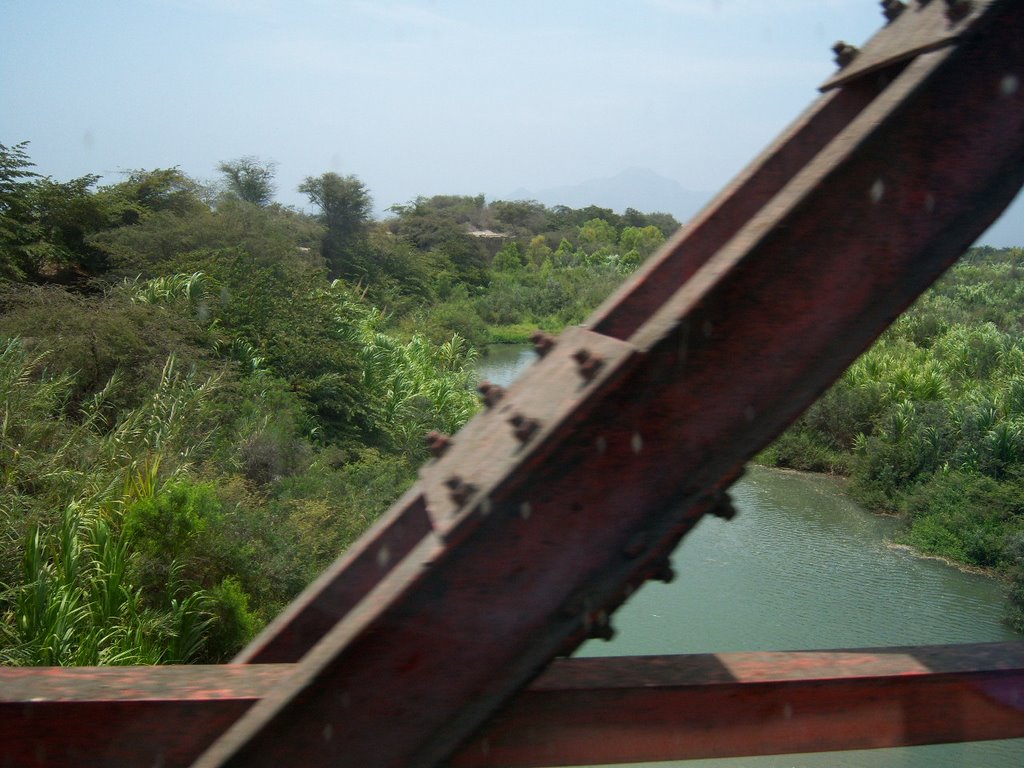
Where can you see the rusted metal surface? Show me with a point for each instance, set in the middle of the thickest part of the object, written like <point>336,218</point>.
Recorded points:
<point>579,711</point>
<point>737,326</point>
<point>122,717</point>
<point>918,28</point>
<point>598,711</point>
<point>493,447</point>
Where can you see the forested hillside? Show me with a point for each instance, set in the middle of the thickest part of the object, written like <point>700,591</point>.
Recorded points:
<point>207,396</point>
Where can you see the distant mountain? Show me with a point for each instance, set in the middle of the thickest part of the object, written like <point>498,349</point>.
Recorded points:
<point>639,188</point>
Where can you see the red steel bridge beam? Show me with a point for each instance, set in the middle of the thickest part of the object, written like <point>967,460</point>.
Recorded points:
<point>551,507</point>
<point>579,712</point>
<point>627,710</point>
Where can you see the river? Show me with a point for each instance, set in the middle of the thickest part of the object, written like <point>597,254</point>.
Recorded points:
<point>803,567</point>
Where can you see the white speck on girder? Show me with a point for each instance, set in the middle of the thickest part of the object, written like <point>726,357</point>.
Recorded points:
<point>1009,85</point>
<point>637,443</point>
<point>525,510</point>
<point>877,191</point>
<point>383,557</point>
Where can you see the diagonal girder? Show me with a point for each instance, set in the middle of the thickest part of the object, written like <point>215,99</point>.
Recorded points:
<point>523,546</point>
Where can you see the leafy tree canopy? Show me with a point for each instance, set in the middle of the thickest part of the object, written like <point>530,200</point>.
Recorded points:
<point>345,210</point>
<point>596,234</point>
<point>249,179</point>
<point>17,226</point>
<point>161,190</point>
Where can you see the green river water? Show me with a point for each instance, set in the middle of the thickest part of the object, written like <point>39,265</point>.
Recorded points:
<point>803,567</point>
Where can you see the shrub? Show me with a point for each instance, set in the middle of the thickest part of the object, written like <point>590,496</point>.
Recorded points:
<point>232,623</point>
<point>803,450</point>
<point>93,338</point>
<point>966,516</point>
<point>169,528</point>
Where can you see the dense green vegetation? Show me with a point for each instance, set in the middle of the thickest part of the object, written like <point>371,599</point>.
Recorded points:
<point>504,269</point>
<point>207,396</point>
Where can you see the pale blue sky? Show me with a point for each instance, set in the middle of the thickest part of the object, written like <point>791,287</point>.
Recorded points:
<point>416,97</point>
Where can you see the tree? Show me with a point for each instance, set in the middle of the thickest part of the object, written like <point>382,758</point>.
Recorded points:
<point>521,217</point>
<point>162,239</point>
<point>406,275</point>
<point>509,258</point>
<point>565,254</point>
<point>161,190</point>
<point>666,222</point>
<point>597,234</point>
<point>46,225</point>
<point>538,251</point>
<point>67,213</point>
<point>345,207</point>
<point>562,217</point>
<point>467,255</point>
<point>428,221</point>
<point>644,240</point>
<point>17,227</point>
<point>250,179</point>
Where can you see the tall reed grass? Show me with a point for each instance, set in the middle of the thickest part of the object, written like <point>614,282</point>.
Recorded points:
<point>66,592</point>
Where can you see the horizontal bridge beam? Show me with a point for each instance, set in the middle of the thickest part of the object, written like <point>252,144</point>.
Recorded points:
<point>625,710</point>
<point>580,711</point>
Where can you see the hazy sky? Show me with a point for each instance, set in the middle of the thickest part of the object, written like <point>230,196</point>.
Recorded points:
<point>416,97</point>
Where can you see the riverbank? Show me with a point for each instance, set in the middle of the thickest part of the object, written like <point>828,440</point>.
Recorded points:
<point>516,333</point>
<point>841,483</point>
<point>962,567</point>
